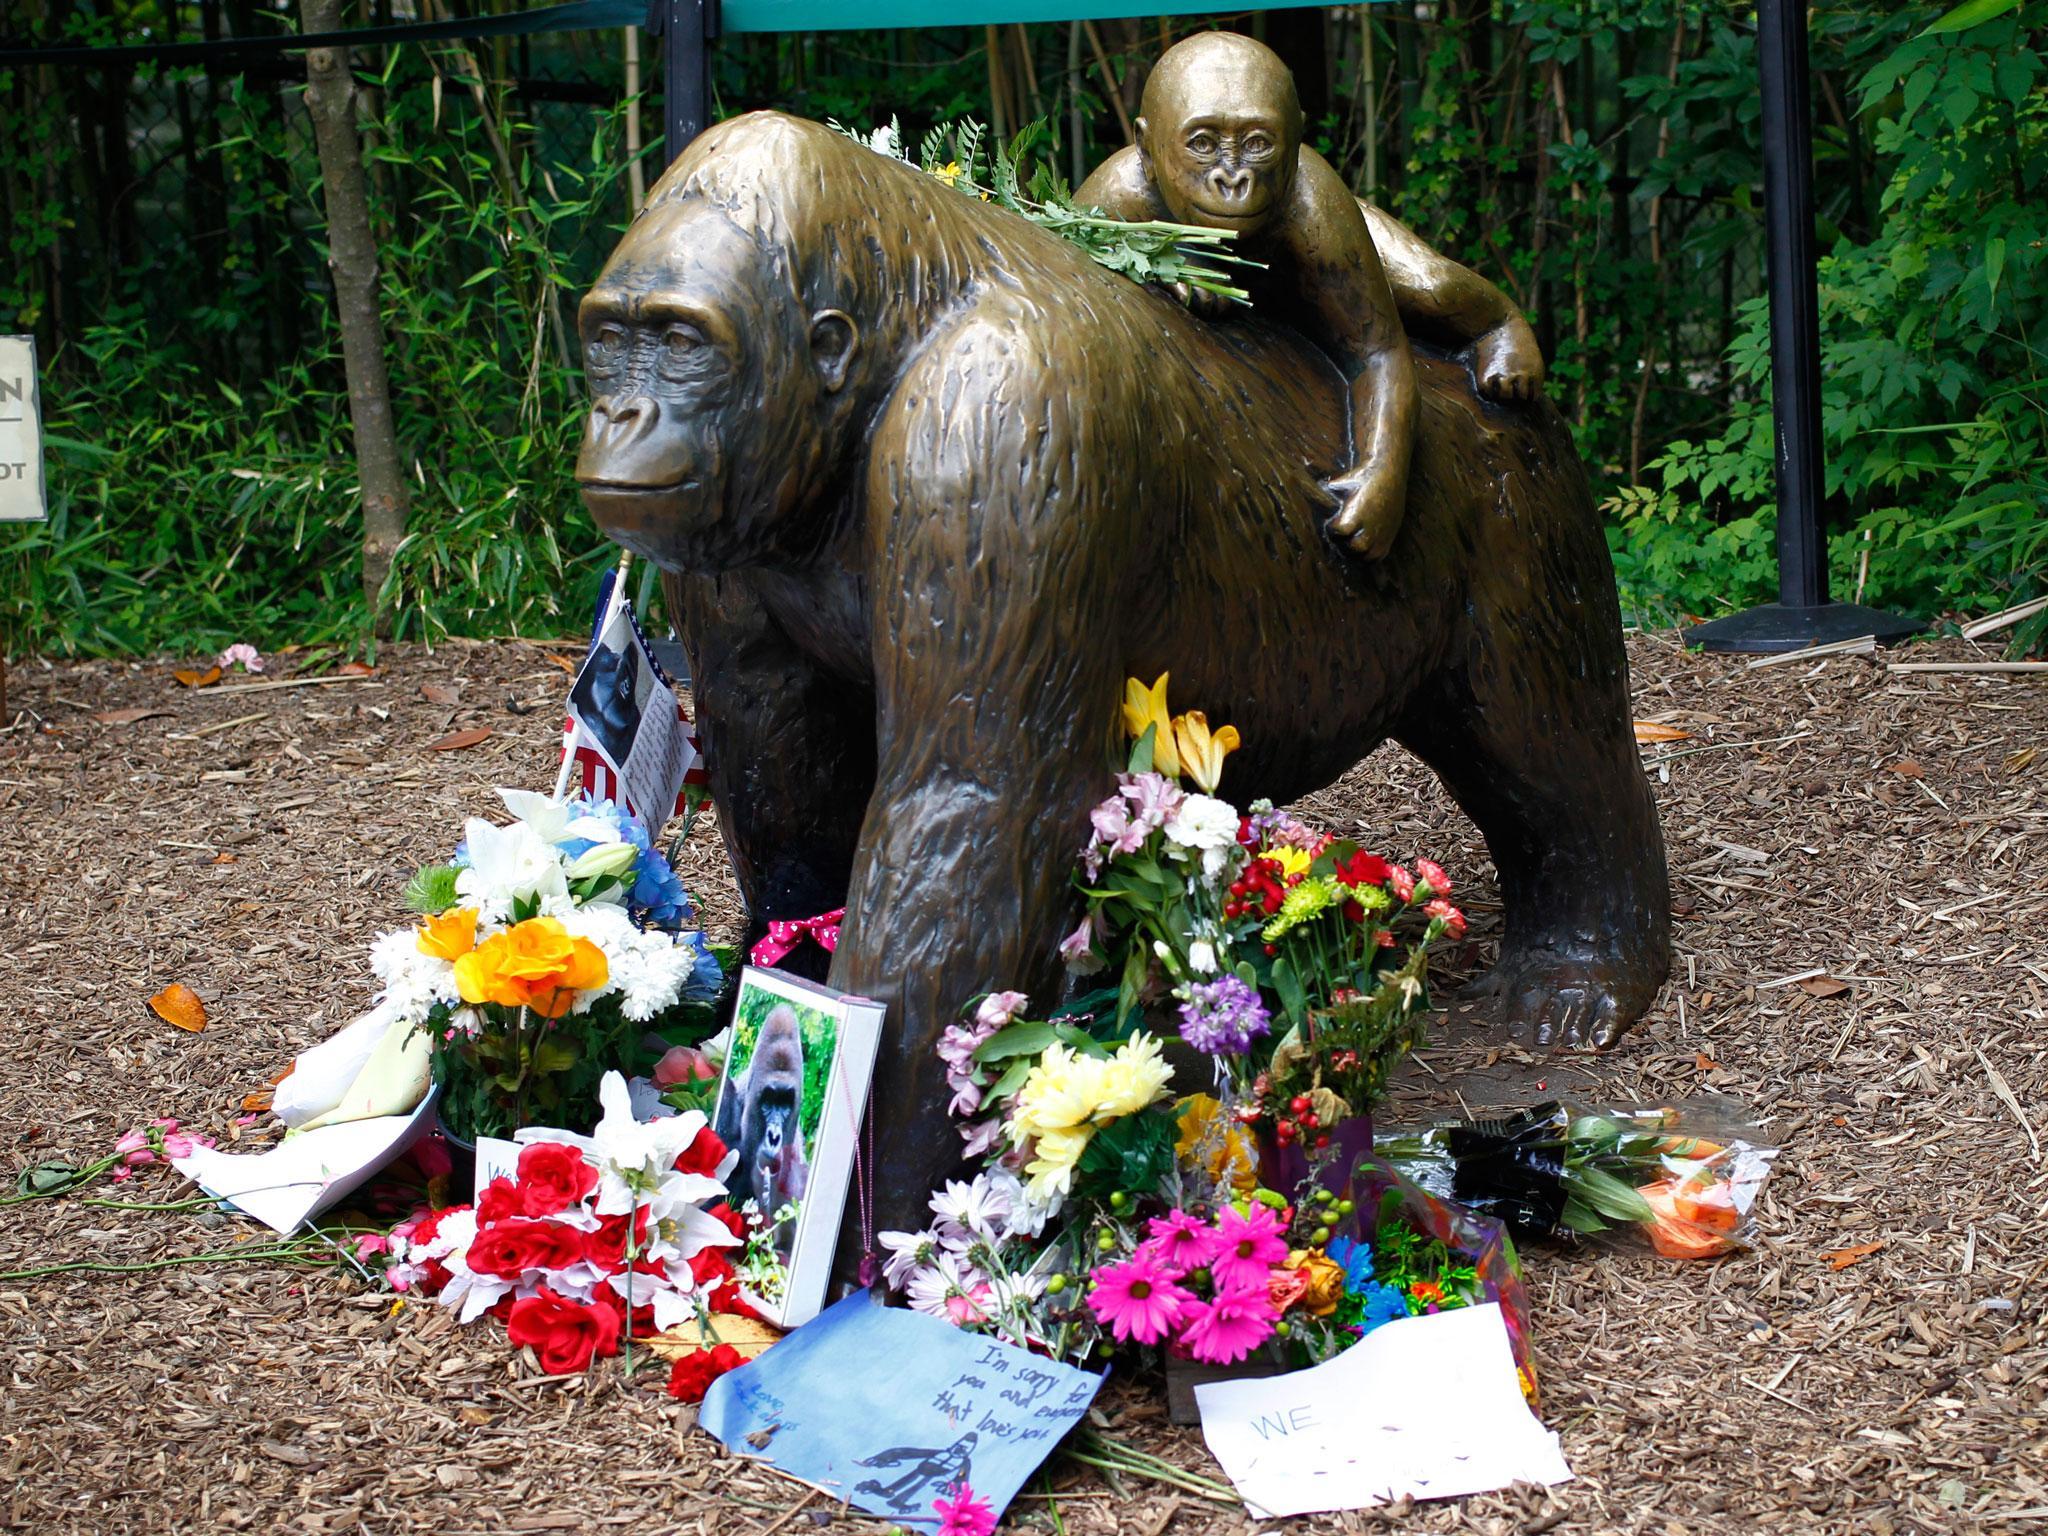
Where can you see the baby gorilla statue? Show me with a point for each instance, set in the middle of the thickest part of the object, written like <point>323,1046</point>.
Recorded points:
<point>1219,145</point>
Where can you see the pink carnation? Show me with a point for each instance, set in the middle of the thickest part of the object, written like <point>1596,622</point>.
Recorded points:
<point>1454,920</point>
<point>1439,882</point>
<point>1401,883</point>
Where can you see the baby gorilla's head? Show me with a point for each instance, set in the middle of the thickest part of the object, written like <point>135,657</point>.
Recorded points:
<point>1221,131</point>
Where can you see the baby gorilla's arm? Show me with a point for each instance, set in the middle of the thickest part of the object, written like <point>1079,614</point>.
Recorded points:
<point>1436,295</point>
<point>1324,233</point>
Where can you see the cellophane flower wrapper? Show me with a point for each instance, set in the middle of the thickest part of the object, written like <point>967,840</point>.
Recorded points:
<point>1383,1198</point>
<point>1684,1177</point>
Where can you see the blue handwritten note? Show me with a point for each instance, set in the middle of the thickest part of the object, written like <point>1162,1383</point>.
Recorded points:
<point>889,1410</point>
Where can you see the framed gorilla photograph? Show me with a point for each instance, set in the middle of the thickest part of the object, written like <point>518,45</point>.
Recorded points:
<point>790,1101</point>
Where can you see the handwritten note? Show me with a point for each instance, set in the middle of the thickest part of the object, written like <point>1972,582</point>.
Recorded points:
<point>1429,1406</point>
<point>890,1409</point>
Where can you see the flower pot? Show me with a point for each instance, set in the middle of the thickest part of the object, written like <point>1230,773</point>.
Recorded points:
<point>1183,1376</point>
<point>1286,1168</point>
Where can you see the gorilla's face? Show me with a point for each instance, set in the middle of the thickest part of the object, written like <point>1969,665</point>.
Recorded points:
<point>713,418</point>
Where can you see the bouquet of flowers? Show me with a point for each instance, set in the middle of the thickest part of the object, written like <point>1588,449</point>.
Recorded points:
<point>553,949</point>
<point>596,1238</point>
<point>1686,1179</point>
<point>1297,960</point>
<point>1110,1214</point>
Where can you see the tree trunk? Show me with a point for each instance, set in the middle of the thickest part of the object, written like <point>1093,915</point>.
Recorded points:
<point>352,257</point>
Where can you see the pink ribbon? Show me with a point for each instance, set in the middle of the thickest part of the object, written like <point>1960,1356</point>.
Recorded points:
<point>783,936</point>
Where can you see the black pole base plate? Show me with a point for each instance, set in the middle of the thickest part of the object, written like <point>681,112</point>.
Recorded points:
<point>1774,627</point>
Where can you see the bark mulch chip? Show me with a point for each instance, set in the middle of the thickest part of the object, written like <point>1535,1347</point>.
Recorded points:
<point>1860,864</point>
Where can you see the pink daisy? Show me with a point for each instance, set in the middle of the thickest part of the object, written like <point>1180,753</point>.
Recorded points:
<point>1137,1300</point>
<point>1247,1248</point>
<point>967,1513</point>
<point>1180,1241</point>
<point>1224,1331</point>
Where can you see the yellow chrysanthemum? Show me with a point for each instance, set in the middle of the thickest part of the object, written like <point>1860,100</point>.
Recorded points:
<point>1060,1092</point>
<point>1133,1078</point>
<point>1053,1156</point>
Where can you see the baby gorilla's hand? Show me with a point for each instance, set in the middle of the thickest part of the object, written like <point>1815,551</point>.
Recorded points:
<point>1370,501</point>
<point>1508,364</point>
<point>1201,302</point>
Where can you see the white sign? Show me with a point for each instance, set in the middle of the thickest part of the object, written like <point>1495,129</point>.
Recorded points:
<point>1426,1406</point>
<point>21,433</point>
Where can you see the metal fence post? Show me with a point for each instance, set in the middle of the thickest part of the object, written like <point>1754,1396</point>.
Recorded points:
<point>1802,616</point>
<point>686,28</point>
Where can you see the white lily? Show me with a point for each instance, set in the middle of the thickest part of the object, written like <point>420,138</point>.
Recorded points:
<point>548,817</point>
<point>604,859</point>
<point>506,864</point>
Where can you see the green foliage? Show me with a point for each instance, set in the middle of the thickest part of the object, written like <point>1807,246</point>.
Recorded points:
<point>1933,407</point>
<point>431,890</point>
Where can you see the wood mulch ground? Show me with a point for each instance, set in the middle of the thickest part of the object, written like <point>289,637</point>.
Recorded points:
<point>1879,1365</point>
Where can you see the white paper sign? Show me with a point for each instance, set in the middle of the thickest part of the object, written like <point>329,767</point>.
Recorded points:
<point>497,1157</point>
<point>1428,1406</point>
<point>21,433</point>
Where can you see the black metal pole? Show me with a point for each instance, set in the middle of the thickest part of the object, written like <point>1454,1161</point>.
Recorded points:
<point>1802,616</point>
<point>687,28</point>
<point>1795,298</point>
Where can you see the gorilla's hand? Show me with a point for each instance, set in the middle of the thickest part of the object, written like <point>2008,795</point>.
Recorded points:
<point>1508,364</point>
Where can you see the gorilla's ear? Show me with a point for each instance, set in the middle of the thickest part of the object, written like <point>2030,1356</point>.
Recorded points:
<point>1144,148</point>
<point>835,343</point>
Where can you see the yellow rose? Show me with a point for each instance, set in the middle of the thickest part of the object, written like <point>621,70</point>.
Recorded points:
<point>535,964</point>
<point>451,935</point>
<point>1325,1280</point>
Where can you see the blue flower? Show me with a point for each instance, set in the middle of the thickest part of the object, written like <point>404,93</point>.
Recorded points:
<point>1383,1304</point>
<point>707,977</point>
<point>658,894</point>
<point>1356,1259</point>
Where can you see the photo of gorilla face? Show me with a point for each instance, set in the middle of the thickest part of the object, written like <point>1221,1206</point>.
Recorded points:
<point>607,696</point>
<point>768,1112</point>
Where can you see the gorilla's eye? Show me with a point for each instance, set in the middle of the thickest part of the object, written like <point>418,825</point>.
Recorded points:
<point>680,345</point>
<point>1202,145</point>
<point>606,349</point>
<point>1257,146</point>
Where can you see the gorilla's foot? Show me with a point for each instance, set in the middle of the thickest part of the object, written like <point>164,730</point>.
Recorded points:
<point>1546,998</point>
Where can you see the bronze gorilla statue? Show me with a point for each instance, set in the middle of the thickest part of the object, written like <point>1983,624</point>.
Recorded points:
<point>930,484</point>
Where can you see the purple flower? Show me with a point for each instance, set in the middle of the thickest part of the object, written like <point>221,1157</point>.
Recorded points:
<point>1223,1017</point>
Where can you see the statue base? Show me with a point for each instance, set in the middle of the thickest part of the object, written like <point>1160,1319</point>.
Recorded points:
<point>1774,627</point>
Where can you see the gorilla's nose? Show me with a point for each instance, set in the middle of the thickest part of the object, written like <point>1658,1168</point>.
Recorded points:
<point>1233,184</point>
<point>618,422</point>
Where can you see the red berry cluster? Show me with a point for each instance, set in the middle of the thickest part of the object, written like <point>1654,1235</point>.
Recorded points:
<point>1304,1124</point>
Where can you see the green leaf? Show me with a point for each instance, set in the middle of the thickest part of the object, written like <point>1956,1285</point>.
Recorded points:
<point>431,891</point>
<point>1969,14</point>
<point>554,1055</point>
<point>1025,1039</point>
<point>1607,1195</point>
<point>1994,262</point>
<point>1141,751</point>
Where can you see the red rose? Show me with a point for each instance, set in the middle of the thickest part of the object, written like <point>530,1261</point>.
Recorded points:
<point>511,1247</point>
<point>734,1222</point>
<point>499,1201</point>
<point>564,1333</point>
<point>710,1268</point>
<point>702,1155</point>
<point>606,1247</point>
<point>552,1177</point>
<point>693,1373</point>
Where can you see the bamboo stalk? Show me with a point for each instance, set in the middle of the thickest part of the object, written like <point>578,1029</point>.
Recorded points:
<point>1968,666</point>
<point>636,174</point>
<point>1109,85</point>
<point>998,103</point>
<point>1976,629</point>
